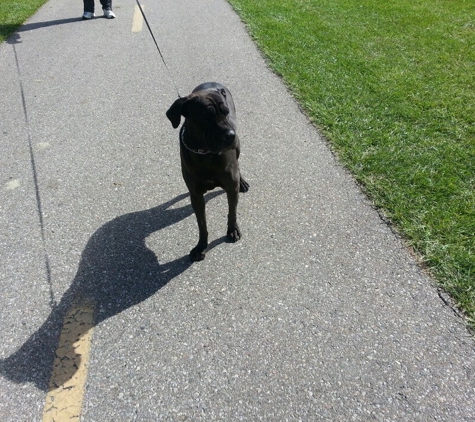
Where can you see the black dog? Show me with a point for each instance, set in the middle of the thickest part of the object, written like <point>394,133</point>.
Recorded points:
<point>209,150</point>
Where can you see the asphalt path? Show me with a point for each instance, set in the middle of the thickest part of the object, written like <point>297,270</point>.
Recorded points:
<point>319,313</point>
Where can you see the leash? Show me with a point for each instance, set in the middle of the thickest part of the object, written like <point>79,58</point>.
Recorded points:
<point>158,48</point>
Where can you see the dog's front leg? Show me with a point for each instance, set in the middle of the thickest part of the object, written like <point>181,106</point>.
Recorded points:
<point>198,204</point>
<point>234,234</point>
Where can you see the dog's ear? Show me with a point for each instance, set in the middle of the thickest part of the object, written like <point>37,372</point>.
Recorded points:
<point>175,112</point>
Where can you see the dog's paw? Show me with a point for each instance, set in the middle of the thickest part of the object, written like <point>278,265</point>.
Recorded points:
<point>234,234</point>
<point>197,253</point>
<point>243,185</point>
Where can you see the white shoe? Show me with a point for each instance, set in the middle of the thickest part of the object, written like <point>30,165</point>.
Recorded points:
<point>88,15</point>
<point>109,14</point>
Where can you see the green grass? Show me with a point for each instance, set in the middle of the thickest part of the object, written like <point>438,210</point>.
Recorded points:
<point>14,12</point>
<point>392,86</point>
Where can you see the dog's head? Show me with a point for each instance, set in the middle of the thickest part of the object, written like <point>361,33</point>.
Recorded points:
<point>208,120</point>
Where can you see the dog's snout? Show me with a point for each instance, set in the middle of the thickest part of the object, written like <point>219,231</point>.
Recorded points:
<point>230,135</point>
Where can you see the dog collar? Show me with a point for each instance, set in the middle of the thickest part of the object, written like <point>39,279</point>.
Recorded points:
<point>196,151</point>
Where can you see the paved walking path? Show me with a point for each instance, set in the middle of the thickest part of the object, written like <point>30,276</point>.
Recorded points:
<point>318,313</point>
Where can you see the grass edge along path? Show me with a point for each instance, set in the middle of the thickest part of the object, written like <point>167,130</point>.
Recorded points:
<point>14,12</point>
<point>391,85</point>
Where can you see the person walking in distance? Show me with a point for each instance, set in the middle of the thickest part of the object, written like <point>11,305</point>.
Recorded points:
<point>106,8</point>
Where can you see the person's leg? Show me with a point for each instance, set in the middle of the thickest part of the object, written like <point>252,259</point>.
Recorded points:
<point>89,6</point>
<point>106,4</point>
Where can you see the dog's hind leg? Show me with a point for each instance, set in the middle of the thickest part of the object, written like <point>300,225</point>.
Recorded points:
<point>199,251</point>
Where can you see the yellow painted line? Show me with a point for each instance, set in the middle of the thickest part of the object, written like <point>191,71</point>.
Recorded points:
<point>68,380</point>
<point>137,22</point>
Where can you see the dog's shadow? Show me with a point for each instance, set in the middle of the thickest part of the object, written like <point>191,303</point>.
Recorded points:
<point>116,271</point>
